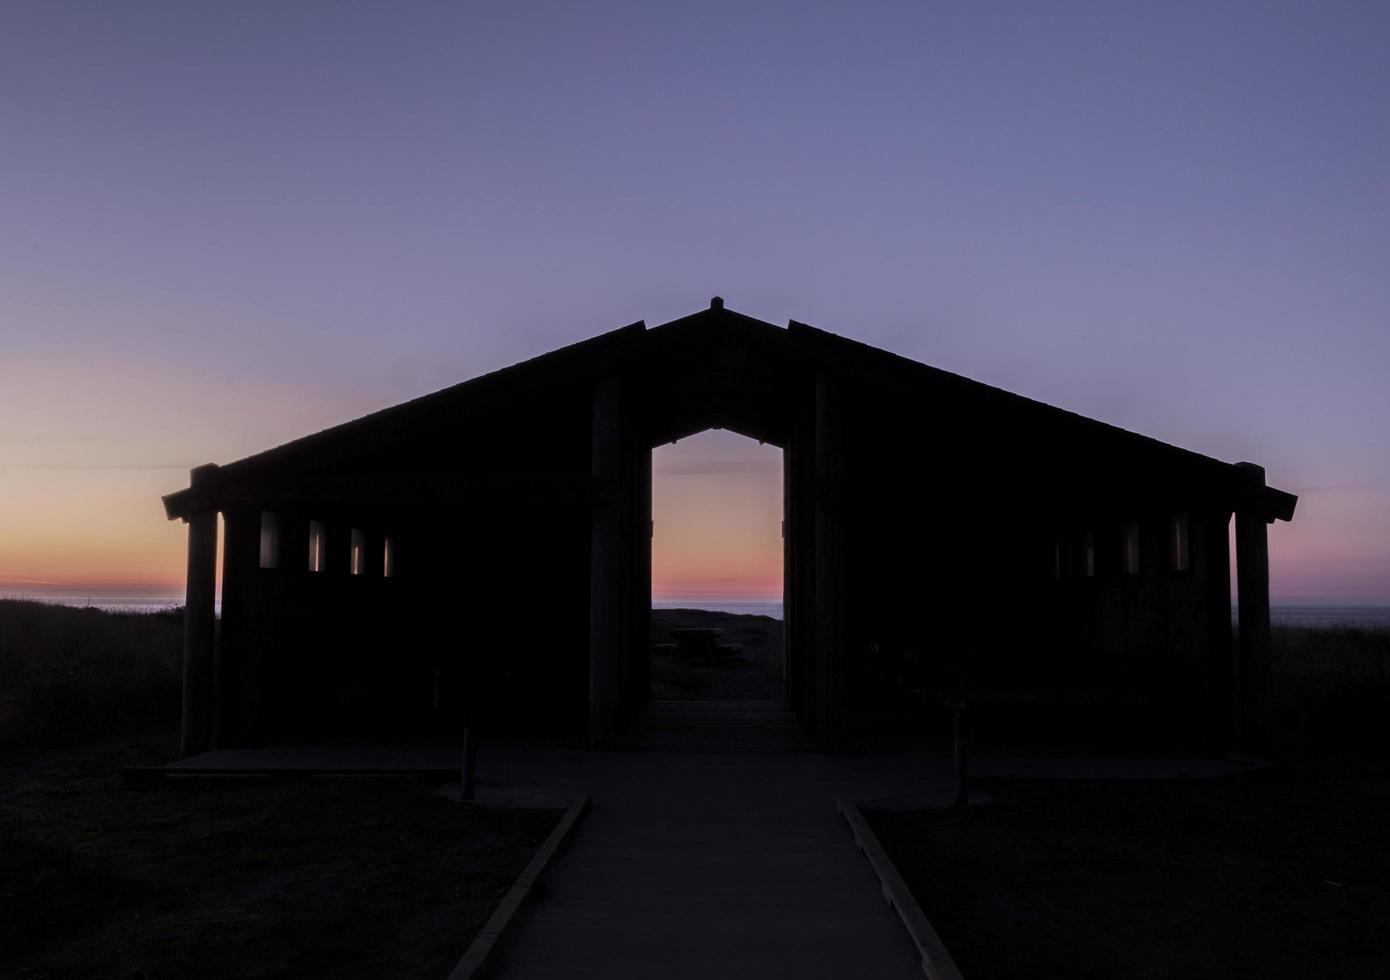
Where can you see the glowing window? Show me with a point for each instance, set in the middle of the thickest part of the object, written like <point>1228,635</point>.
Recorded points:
<point>359,552</point>
<point>1179,542</point>
<point>388,558</point>
<point>316,535</point>
<point>1129,555</point>
<point>1088,554</point>
<point>270,540</point>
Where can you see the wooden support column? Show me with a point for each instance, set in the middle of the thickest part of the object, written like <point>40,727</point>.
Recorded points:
<point>829,560</point>
<point>609,558</point>
<point>375,557</point>
<point>337,550</point>
<point>640,583</point>
<point>240,564</point>
<point>799,604</point>
<point>199,615</point>
<point>294,543</point>
<point>1223,711</point>
<point>1252,583</point>
<point>791,674</point>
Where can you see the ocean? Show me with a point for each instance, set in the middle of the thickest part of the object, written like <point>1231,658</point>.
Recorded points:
<point>745,607</point>
<point>1361,616</point>
<point>1341,617</point>
<point>129,601</point>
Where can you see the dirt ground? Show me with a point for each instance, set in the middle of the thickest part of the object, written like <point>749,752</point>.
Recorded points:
<point>753,674</point>
<point>240,878</point>
<point>1281,873</point>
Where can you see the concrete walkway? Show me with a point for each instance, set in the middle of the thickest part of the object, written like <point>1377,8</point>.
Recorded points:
<point>692,865</point>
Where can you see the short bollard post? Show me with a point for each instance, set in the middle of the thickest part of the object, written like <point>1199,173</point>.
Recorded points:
<point>961,746</point>
<point>470,763</point>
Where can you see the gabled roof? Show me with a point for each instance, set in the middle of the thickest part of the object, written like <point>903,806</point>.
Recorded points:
<point>796,345</point>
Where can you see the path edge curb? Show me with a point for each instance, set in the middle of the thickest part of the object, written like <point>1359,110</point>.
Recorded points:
<point>936,961</point>
<point>476,958</point>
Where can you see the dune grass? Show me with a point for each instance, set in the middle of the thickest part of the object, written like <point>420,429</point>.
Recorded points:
<point>67,674</point>
<point>1331,689</point>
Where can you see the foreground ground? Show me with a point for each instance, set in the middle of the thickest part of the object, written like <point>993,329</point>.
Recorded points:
<point>1280,873</point>
<point>342,878</point>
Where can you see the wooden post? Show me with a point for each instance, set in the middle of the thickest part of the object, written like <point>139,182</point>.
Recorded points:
<point>237,699</point>
<point>1224,710</point>
<point>961,748</point>
<point>1252,583</point>
<point>467,783</point>
<point>829,560</point>
<point>199,627</point>
<point>799,541</point>
<point>608,557</point>
<point>640,643</point>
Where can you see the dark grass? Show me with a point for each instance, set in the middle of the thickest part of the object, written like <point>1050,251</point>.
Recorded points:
<point>67,675</point>
<point>1331,689</point>
<point>1279,873</point>
<point>241,878</point>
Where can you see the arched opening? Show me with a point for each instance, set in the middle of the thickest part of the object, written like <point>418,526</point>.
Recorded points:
<point>717,655</point>
<point>717,566</point>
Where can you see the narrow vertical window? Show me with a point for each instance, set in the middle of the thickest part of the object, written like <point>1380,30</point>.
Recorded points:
<point>316,546</point>
<point>1130,555</point>
<point>1179,544</point>
<point>270,540</point>
<point>1088,554</point>
<point>357,565</point>
<point>388,558</point>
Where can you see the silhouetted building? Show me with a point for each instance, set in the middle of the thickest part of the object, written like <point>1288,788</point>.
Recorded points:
<point>488,548</point>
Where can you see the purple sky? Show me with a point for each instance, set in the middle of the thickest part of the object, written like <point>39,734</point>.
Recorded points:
<point>223,225</point>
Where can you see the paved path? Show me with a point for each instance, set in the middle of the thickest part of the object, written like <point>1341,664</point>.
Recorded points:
<point>711,865</point>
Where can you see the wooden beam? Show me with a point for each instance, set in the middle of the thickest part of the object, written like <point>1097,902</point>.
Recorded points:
<point>370,489</point>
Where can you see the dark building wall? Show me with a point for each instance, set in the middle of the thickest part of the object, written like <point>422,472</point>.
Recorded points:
<point>488,594</point>
<point>967,566</point>
<point>480,600</point>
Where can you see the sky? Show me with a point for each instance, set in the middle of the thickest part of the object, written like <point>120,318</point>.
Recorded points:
<point>716,518</point>
<point>224,225</point>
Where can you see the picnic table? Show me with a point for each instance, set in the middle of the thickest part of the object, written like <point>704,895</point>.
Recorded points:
<point>703,642</point>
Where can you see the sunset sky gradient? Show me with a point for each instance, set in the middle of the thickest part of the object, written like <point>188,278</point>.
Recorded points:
<point>224,225</point>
